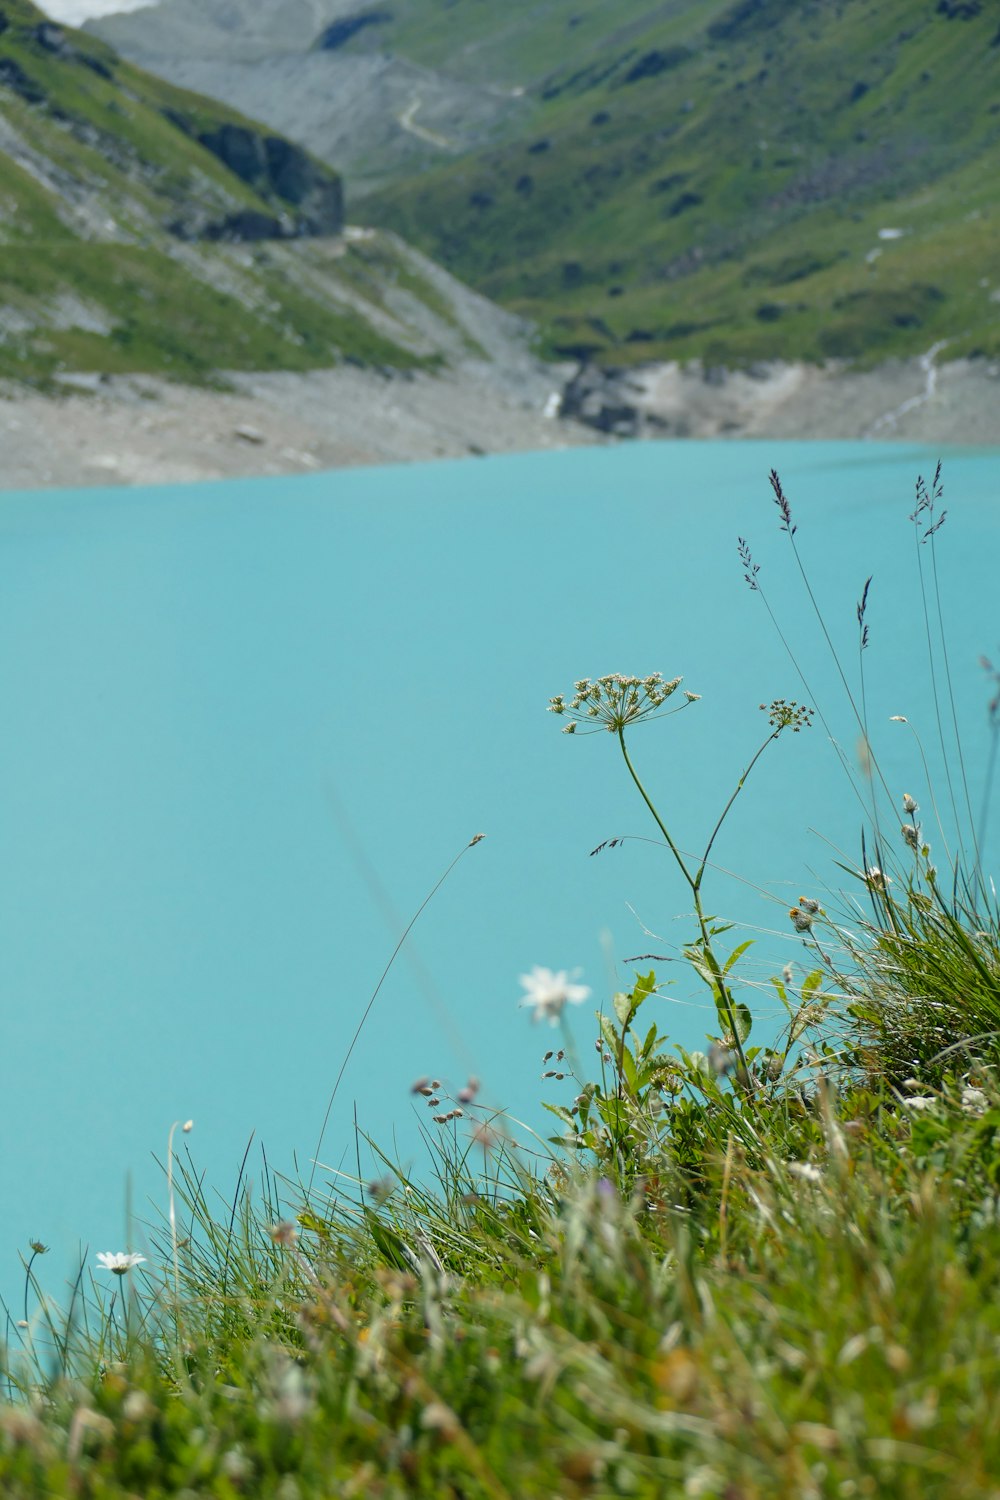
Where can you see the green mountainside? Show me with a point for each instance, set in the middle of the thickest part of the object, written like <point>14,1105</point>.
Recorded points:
<point>143,228</point>
<point>766,179</point>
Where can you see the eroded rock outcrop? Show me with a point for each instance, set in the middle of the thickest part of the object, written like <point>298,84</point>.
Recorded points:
<point>306,195</point>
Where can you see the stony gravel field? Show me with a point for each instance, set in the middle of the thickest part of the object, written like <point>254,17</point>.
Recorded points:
<point>143,431</point>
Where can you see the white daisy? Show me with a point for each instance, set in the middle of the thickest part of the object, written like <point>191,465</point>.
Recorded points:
<point>549,992</point>
<point>119,1261</point>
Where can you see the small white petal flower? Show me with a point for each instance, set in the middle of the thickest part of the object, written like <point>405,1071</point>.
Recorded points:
<point>119,1261</point>
<point>974,1101</point>
<point>920,1102</point>
<point>548,993</point>
<point>805,1170</point>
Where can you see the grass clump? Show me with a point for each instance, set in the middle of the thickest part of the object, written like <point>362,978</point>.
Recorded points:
<point>744,1272</point>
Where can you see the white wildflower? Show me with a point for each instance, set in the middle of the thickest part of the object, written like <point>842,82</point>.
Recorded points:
<point>920,1102</point>
<point>909,803</point>
<point>119,1261</point>
<point>548,993</point>
<point>974,1101</point>
<point>805,1170</point>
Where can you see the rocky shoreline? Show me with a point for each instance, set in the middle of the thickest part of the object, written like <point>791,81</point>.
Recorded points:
<point>915,400</point>
<point>139,430</point>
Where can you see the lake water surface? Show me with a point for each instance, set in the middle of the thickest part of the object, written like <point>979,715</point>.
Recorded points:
<point>247,725</point>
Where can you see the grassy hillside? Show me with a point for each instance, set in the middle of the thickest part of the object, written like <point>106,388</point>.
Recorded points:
<point>743,1273</point>
<point>143,228</point>
<point>711,179</point>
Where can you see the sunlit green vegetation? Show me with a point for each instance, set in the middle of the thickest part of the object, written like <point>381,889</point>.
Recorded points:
<point>711,180</point>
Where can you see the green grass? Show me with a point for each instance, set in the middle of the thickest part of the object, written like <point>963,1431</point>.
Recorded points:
<point>749,1272</point>
<point>660,217</point>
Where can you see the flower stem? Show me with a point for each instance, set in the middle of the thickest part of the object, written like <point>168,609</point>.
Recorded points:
<point>694,881</point>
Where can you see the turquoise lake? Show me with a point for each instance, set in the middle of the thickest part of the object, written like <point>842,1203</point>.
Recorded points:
<point>248,725</point>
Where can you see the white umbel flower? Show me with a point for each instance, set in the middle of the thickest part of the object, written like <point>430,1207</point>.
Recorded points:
<point>549,993</point>
<point>119,1261</point>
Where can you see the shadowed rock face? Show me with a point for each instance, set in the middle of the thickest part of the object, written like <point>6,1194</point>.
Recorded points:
<point>276,169</point>
<point>341,32</point>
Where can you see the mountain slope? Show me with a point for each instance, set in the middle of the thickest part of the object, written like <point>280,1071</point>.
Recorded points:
<point>146,229</point>
<point>724,181</point>
<point>288,62</point>
<point>688,178</point>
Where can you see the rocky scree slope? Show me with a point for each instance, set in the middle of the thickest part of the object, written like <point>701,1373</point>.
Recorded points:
<point>317,70</point>
<point>145,229</point>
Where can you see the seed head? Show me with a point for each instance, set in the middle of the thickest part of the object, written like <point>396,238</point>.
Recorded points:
<point>909,803</point>
<point>801,920</point>
<point>782,714</point>
<point>614,701</point>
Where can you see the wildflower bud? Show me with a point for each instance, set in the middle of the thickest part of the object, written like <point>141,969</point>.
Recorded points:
<point>812,907</point>
<point>465,1096</point>
<point>801,920</point>
<point>911,835</point>
<point>283,1233</point>
<point>787,974</point>
<point>720,1059</point>
<point>433,1102</point>
<point>441,1119</point>
<point>909,803</point>
<point>548,1055</point>
<point>418,1086</point>
<point>435,1083</point>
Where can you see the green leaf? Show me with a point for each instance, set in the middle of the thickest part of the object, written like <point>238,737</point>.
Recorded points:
<point>389,1244</point>
<point>645,985</point>
<point>811,983</point>
<point>704,972</point>
<point>629,1069</point>
<point>613,1114</point>
<point>742,1017</point>
<point>736,954</point>
<point>561,1113</point>
<point>624,1009</point>
<point>612,1040</point>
